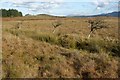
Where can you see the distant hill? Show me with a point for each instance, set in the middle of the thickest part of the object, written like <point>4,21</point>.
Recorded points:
<point>44,15</point>
<point>39,15</point>
<point>112,14</point>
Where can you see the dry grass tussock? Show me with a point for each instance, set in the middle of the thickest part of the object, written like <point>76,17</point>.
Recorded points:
<point>23,56</point>
<point>34,51</point>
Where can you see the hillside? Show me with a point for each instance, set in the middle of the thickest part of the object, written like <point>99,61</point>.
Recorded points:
<point>112,14</point>
<point>30,49</point>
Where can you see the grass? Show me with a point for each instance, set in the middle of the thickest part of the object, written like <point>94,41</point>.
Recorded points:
<point>69,41</point>
<point>34,50</point>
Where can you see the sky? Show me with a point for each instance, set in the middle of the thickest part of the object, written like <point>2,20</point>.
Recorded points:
<point>61,7</point>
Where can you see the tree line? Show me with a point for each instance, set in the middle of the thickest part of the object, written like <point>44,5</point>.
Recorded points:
<point>10,13</point>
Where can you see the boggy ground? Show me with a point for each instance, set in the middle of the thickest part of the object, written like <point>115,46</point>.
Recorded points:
<point>33,51</point>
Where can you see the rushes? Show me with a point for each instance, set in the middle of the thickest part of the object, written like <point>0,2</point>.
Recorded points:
<point>70,42</point>
<point>44,37</point>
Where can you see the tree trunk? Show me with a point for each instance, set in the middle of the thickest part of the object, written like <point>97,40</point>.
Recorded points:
<point>54,31</point>
<point>89,34</point>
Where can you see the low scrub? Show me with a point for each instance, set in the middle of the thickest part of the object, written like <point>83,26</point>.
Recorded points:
<point>91,45</point>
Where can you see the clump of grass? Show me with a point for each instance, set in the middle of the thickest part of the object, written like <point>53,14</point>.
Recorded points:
<point>14,32</point>
<point>96,45</point>
<point>96,66</point>
<point>113,47</point>
<point>88,45</point>
<point>44,37</point>
<point>67,41</point>
<point>9,71</point>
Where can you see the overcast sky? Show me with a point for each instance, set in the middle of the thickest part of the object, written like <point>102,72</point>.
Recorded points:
<point>61,7</point>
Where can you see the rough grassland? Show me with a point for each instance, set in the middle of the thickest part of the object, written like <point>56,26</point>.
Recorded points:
<point>33,51</point>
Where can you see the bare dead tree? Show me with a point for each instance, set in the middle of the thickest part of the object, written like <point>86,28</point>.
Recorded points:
<point>95,25</point>
<point>56,24</point>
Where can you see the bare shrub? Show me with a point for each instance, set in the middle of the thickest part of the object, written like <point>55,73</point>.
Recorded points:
<point>56,24</point>
<point>95,25</point>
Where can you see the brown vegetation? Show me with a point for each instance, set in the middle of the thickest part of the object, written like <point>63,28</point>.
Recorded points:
<point>35,52</point>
